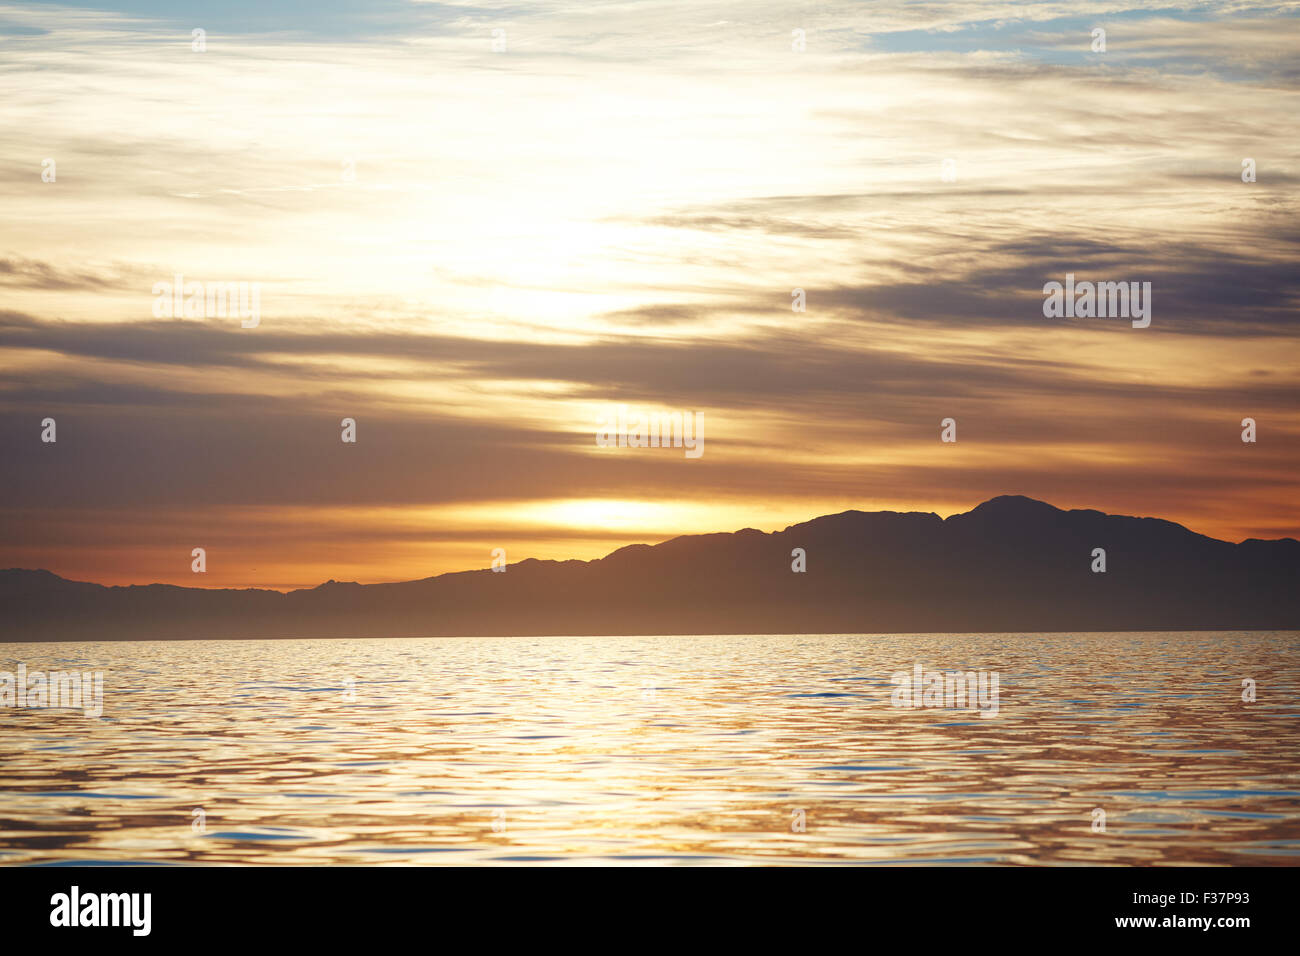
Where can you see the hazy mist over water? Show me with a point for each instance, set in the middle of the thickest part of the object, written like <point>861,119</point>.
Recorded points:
<point>659,750</point>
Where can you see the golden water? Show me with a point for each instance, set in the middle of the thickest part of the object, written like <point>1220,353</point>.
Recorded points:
<point>660,750</point>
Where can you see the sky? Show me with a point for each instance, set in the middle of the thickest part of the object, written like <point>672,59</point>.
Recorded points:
<point>475,243</point>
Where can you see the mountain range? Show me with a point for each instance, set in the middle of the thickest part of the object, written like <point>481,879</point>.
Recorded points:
<point>1010,564</point>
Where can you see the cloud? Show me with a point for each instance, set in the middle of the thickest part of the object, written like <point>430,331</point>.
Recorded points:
<point>616,209</point>
<point>32,274</point>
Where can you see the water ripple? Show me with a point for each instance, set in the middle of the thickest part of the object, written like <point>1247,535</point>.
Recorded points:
<point>635,751</point>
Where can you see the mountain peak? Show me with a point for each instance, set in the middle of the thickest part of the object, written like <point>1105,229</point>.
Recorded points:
<point>1014,505</point>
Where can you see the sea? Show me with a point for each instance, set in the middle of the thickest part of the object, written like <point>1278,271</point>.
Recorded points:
<point>1100,748</point>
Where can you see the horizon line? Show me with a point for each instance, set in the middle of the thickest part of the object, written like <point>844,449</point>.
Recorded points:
<point>666,540</point>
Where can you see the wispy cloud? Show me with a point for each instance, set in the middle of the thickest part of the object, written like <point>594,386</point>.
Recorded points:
<point>471,250</point>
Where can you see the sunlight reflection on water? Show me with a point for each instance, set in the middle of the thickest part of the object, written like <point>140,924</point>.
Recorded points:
<point>659,749</point>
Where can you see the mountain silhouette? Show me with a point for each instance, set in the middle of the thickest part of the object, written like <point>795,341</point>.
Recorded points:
<point>1011,564</point>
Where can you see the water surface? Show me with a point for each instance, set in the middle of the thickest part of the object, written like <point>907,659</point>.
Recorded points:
<point>619,750</point>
